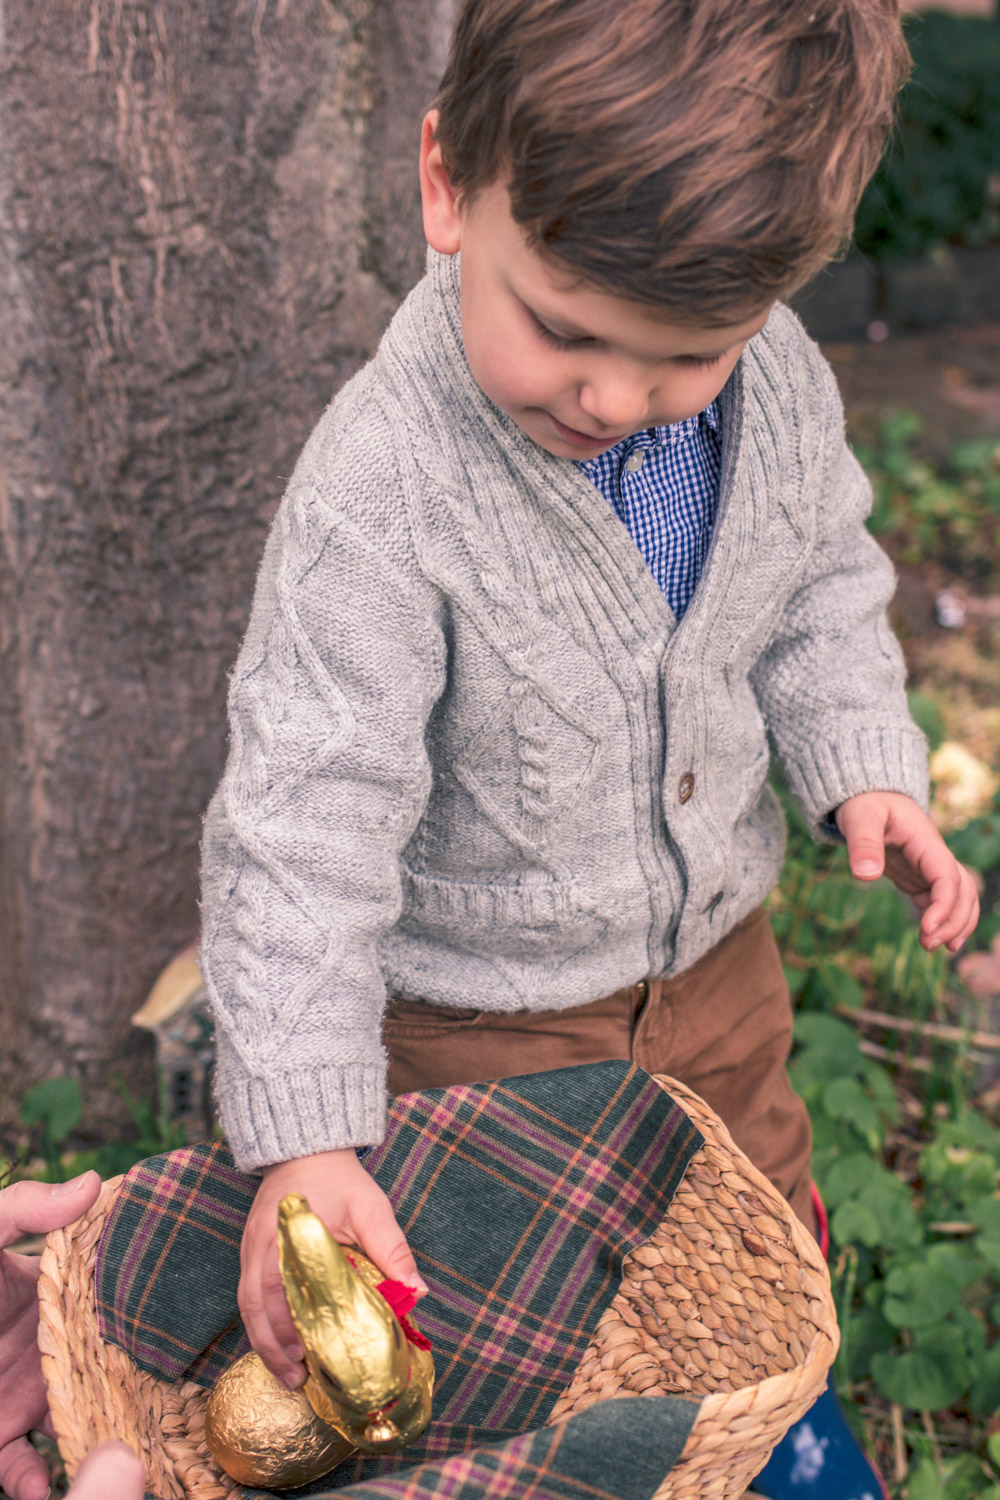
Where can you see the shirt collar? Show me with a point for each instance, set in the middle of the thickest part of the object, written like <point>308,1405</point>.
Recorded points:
<point>673,433</point>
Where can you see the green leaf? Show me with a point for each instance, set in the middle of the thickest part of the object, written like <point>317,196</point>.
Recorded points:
<point>891,1201</point>
<point>984,1395</point>
<point>846,1099</point>
<point>829,1046</point>
<point>925,1482</point>
<point>993,1448</point>
<point>916,1379</point>
<point>829,986</point>
<point>56,1105</point>
<point>867,1333</point>
<point>854,1223</point>
<point>920,1294</point>
<point>849,1175</point>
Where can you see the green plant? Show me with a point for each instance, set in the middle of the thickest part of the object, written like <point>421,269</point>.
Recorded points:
<point>913,1201</point>
<point>923,508</point>
<point>936,184</point>
<point>53,1112</point>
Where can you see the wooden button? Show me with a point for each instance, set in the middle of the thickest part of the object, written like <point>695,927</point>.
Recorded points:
<point>685,787</point>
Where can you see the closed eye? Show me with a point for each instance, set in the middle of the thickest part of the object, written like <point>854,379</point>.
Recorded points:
<point>702,361</point>
<point>555,340</point>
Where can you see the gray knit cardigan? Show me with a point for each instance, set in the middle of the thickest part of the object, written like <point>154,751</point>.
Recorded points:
<point>474,756</point>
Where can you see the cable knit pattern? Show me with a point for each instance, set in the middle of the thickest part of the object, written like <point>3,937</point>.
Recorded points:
<point>475,757</point>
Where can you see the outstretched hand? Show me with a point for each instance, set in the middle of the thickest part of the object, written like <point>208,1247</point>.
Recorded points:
<point>354,1209</point>
<point>888,833</point>
<point>28,1208</point>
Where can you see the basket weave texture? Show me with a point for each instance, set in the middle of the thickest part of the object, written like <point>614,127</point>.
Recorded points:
<point>728,1300</point>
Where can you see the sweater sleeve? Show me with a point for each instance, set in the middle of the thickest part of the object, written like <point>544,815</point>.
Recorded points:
<point>326,779</point>
<point>831,684</point>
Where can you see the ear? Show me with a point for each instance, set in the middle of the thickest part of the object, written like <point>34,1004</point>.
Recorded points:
<point>442,220</point>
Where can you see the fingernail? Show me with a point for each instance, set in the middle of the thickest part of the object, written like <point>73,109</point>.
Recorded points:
<point>295,1353</point>
<point>866,867</point>
<point>68,1187</point>
<point>291,1379</point>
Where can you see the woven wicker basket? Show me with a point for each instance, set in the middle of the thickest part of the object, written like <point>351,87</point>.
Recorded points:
<point>729,1299</point>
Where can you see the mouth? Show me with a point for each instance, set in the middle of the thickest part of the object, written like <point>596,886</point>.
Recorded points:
<point>579,439</point>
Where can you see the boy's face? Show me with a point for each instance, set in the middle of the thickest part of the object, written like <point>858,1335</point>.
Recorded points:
<point>576,368</point>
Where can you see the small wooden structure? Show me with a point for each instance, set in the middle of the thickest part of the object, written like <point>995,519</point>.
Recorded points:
<point>176,1011</point>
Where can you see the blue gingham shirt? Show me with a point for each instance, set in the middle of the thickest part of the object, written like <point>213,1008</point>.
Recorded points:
<point>663,483</point>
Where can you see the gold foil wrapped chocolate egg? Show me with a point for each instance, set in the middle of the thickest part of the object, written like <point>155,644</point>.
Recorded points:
<point>262,1433</point>
<point>369,1386</point>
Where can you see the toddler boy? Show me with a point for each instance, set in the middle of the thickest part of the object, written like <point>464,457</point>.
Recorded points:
<point>550,571</point>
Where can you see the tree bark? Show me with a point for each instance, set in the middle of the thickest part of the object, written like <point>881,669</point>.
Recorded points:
<point>208,211</point>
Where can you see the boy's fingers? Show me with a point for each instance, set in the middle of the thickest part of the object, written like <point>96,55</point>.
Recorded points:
<point>257,1308</point>
<point>951,920</point>
<point>864,830</point>
<point>279,1316</point>
<point>385,1244</point>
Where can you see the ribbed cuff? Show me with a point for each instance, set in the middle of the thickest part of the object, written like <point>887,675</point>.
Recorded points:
<point>824,774</point>
<point>288,1115</point>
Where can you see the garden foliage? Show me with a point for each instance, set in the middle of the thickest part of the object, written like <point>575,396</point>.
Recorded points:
<point>938,182</point>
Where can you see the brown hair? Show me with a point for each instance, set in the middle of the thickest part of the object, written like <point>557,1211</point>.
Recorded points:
<point>703,156</point>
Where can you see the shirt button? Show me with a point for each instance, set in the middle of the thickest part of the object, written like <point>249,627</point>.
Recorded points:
<point>635,460</point>
<point>685,787</point>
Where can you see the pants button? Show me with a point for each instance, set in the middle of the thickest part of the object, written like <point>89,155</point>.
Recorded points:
<point>685,787</point>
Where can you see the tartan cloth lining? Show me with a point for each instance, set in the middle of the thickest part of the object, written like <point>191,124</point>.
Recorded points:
<point>519,1199</point>
<point>637,1440</point>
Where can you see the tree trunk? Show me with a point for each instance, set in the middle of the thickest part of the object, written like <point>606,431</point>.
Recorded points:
<point>208,211</point>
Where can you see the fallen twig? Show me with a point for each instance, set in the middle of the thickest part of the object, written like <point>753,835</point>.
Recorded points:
<point>982,1040</point>
<point>898,1442</point>
<point>883,1054</point>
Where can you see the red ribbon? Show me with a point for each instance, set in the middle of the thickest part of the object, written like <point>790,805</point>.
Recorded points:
<point>402,1299</point>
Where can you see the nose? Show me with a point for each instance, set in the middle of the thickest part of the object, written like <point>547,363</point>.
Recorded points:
<point>618,397</point>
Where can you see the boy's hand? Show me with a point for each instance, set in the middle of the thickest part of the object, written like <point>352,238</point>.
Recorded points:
<point>887,833</point>
<point>354,1209</point>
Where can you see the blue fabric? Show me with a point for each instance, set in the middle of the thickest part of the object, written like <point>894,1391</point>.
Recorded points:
<point>668,504</point>
<point>819,1458</point>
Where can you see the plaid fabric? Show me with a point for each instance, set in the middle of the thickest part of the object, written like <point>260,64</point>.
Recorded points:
<point>615,1450</point>
<point>520,1200</point>
<point>663,483</point>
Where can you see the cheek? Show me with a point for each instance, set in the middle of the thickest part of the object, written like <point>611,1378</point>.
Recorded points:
<point>507,368</point>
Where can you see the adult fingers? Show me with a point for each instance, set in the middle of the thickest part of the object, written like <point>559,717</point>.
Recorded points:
<point>37,1207</point>
<point>24,1474</point>
<point>110,1472</point>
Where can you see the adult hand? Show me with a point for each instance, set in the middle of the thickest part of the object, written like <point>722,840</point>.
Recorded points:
<point>28,1208</point>
<point>888,833</point>
<point>354,1209</point>
<point>110,1472</point>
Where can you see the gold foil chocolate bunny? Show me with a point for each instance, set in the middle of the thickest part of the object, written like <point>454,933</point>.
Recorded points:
<point>370,1377</point>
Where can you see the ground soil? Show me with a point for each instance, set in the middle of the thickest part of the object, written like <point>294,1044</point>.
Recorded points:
<point>951,377</point>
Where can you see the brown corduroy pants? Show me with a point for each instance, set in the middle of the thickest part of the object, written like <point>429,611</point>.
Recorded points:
<point>723,1027</point>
